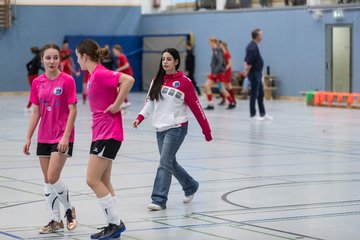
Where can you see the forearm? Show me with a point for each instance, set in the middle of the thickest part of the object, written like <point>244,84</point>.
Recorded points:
<point>126,83</point>
<point>247,67</point>
<point>34,120</point>
<point>122,68</point>
<point>147,110</point>
<point>70,121</point>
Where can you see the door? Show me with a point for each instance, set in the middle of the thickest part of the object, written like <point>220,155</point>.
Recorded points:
<point>338,58</point>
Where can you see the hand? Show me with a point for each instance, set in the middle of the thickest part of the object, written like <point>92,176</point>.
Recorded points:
<point>136,123</point>
<point>113,109</point>
<point>27,147</point>
<point>208,137</point>
<point>63,145</point>
<point>244,74</point>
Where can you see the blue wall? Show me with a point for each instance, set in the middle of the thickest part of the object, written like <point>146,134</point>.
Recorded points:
<point>294,43</point>
<point>36,25</point>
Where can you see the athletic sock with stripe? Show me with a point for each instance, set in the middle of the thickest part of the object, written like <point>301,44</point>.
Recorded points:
<point>52,202</point>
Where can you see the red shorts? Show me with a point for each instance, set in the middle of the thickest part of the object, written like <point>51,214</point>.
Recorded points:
<point>31,78</point>
<point>218,77</point>
<point>228,76</point>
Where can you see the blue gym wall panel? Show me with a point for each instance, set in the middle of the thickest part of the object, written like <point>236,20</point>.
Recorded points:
<point>132,47</point>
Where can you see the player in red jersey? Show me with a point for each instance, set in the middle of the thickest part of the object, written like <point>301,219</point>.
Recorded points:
<point>67,62</point>
<point>122,65</point>
<point>228,73</point>
<point>85,81</point>
<point>217,75</point>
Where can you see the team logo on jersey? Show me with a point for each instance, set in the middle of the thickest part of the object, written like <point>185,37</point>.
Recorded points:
<point>88,86</point>
<point>58,91</point>
<point>176,84</point>
<point>48,108</point>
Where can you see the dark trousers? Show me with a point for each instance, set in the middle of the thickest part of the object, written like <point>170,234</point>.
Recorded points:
<point>256,93</point>
<point>192,78</point>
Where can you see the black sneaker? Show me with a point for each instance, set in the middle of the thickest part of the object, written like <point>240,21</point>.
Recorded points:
<point>98,235</point>
<point>222,103</point>
<point>113,231</point>
<point>209,107</point>
<point>231,106</point>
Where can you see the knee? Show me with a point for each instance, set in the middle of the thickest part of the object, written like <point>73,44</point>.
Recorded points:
<point>165,166</point>
<point>91,182</point>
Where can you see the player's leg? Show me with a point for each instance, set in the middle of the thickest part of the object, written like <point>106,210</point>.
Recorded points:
<point>52,202</point>
<point>56,165</point>
<point>208,84</point>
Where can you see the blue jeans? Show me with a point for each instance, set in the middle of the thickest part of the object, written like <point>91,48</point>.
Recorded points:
<point>169,142</point>
<point>256,93</point>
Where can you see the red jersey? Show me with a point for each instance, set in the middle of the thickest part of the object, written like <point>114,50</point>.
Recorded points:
<point>65,65</point>
<point>86,76</point>
<point>121,61</point>
<point>227,57</point>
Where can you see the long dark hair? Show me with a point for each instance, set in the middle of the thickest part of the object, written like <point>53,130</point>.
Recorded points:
<point>155,91</point>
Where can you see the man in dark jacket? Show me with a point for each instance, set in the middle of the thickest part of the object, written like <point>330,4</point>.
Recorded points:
<point>253,70</point>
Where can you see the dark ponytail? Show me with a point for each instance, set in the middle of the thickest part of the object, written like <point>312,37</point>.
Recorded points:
<point>92,49</point>
<point>155,91</point>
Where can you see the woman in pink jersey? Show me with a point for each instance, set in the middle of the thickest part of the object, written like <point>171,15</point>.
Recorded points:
<point>107,129</point>
<point>169,96</point>
<point>54,97</point>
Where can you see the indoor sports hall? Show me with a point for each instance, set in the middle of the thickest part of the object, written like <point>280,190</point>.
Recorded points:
<point>254,134</point>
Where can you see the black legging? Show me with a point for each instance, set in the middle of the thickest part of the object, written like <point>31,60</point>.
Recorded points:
<point>192,78</point>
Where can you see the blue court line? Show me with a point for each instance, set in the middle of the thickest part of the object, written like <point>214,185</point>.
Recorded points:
<point>10,235</point>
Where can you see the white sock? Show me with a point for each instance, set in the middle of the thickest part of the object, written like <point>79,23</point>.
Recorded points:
<point>63,193</point>
<point>114,200</point>
<point>52,202</point>
<point>109,208</point>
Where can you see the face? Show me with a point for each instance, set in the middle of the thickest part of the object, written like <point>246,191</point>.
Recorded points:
<point>260,37</point>
<point>212,44</point>
<point>116,52</point>
<point>66,46</point>
<point>81,60</point>
<point>168,62</point>
<point>51,60</point>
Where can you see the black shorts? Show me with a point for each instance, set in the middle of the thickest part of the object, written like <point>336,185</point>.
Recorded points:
<point>45,149</point>
<point>105,148</point>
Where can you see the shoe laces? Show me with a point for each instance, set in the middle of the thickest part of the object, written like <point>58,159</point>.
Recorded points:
<point>69,215</point>
<point>50,224</point>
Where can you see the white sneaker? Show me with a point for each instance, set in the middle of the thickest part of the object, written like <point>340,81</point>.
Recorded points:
<point>268,117</point>
<point>257,118</point>
<point>154,207</point>
<point>188,199</point>
<point>125,105</point>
